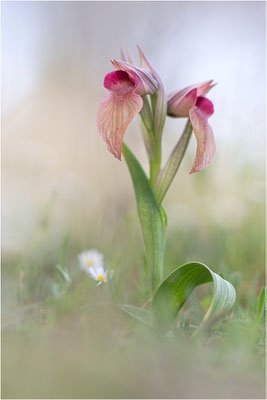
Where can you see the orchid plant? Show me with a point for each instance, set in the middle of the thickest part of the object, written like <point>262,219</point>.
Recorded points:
<point>139,90</point>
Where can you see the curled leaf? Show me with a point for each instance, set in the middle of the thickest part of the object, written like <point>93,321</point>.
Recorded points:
<point>177,287</point>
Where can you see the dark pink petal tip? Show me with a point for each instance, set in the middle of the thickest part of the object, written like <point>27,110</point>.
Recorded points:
<point>119,81</point>
<point>205,105</point>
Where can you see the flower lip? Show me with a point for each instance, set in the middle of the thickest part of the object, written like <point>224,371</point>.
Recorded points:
<point>119,82</point>
<point>114,114</point>
<point>206,147</point>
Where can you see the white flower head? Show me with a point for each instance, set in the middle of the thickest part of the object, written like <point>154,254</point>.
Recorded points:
<point>92,262</point>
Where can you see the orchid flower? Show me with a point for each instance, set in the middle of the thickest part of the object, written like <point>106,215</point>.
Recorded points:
<point>153,113</point>
<point>125,87</point>
<point>190,102</point>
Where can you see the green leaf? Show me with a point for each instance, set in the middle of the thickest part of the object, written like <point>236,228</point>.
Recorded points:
<point>166,175</point>
<point>63,250</point>
<point>138,313</point>
<point>262,305</point>
<point>63,274</point>
<point>175,289</point>
<point>151,218</point>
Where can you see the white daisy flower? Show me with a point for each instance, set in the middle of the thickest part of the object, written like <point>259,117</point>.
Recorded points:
<point>92,262</point>
<point>90,258</point>
<point>100,275</point>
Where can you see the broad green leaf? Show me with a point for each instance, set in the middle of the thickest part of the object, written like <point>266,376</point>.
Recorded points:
<point>262,305</point>
<point>151,218</point>
<point>138,313</point>
<point>175,289</point>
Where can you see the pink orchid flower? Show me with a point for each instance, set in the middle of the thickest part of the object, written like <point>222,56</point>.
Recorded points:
<point>190,102</point>
<point>125,87</point>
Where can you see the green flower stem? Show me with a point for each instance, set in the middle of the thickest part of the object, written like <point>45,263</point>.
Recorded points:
<point>146,116</point>
<point>147,128</point>
<point>147,135</point>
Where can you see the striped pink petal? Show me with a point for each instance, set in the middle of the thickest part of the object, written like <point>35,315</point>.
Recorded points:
<point>179,101</point>
<point>180,104</point>
<point>145,82</point>
<point>117,109</point>
<point>145,64</point>
<point>161,101</point>
<point>126,56</point>
<point>204,88</point>
<point>206,148</point>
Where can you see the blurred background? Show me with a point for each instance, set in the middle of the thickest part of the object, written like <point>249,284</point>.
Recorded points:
<point>60,184</point>
<point>54,58</point>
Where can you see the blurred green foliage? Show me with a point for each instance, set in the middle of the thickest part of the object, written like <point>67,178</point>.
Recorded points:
<point>63,337</point>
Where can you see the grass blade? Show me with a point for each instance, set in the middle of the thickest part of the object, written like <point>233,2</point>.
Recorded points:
<point>262,303</point>
<point>138,313</point>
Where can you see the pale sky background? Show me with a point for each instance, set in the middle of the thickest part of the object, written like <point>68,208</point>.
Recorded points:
<point>54,58</point>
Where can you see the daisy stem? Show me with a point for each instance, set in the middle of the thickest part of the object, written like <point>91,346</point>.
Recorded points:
<point>100,295</point>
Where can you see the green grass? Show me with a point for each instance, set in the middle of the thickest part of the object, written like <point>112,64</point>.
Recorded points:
<point>70,340</point>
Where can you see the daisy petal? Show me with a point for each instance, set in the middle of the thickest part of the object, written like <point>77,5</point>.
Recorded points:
<point>93,272</point>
